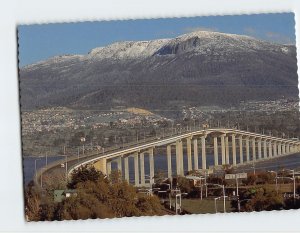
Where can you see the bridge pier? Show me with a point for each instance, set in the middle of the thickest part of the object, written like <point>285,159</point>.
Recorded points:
<point>247,149</point>
<point>169,159</point>
<point>203,154</point>
<point>142,167</point>
<point>227,149</point>
<point>216,155</point>
<point>151,164</point>
<point>265,149</point>
<point>223,149</point>
<point>136,169</point>
<point>179,158</point>
<point>279,148</point>
<point>119,162</point>
<point>283,148</point>
<point>189,153</point>
<point>274,149</point>
<point>259,148</point>
<point>270,149</point>
<point>195,141</point>
<point>126,169</point>
<point>108,168</point>
<point>233,149</point>
<point>253,149</point>
<point>241,149</point>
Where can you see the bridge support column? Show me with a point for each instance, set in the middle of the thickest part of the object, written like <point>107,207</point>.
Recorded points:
<point>136,169</point>
<point>247,149</point>
<point>265,149</point>
<point>275,149</point>
<point>270,149</point>
<point>241,149</point>
<point>195,141</point>
<point>126,169</point>
<point>108,168</point>
<point>216,158</point>
<point>169,158</point>
<point>223,150</point>
<point>151,165</point>
<point>279,149</point>
<point>259,148</point>
<point>189,153</point>
<point>102,165</point>
<point>233,150</point>
<point>253,149</point>
<point>142,166</point>
<point>283,149</point>
<point>293,148</point>
<point>178,160</point>
<point>287,148</point>
<point>203,147</point>
<point>227,149</point>
<point>119,162</point>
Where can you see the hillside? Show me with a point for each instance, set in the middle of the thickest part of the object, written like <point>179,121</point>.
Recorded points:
<point>198,68</point>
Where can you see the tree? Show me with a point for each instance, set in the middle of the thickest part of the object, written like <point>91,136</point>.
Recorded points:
<point>261,198</point>
<point>84,173</point>
<point>184,184</point>
<point>32,203</point>
<point>97,196</point>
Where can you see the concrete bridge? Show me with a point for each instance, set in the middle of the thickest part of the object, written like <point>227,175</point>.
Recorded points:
<point>226,143</point>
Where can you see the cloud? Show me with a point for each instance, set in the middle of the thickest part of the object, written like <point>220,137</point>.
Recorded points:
<point>194,29</point>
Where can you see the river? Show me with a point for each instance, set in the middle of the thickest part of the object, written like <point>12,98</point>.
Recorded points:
<point>160,164</point>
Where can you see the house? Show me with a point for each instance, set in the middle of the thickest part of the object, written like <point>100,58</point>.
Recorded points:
<point>60,194</point>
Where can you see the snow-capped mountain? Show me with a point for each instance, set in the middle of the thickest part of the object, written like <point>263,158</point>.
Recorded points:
<point>194,68</point>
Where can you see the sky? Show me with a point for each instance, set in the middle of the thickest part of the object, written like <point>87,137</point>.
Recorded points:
<point>41,41</point>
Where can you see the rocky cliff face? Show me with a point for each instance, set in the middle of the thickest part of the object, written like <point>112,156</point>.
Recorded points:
<point>193,69</point>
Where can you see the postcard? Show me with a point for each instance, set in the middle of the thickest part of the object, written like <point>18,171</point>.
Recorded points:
<point>153,117</point>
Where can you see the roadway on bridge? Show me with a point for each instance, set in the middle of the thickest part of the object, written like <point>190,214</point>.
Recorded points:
<point>291,161</point>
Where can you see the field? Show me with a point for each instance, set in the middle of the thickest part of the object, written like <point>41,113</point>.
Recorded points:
<point>198,206</point>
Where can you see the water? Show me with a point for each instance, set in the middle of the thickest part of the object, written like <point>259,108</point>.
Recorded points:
<point>160,164</point>
<point>29,165</point>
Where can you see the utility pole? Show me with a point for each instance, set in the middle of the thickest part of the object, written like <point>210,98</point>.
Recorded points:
<point>253,166</point>
<point>224,201</point>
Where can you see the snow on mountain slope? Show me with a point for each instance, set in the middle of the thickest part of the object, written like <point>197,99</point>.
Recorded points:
<point>203,42</point>
<point>128,49</point>
<point>199,42</point>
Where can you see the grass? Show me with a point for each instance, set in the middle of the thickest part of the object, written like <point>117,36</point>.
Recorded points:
<point>204,206</point>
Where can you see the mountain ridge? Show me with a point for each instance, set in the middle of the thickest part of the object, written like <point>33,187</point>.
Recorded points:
<point>202,64</point>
